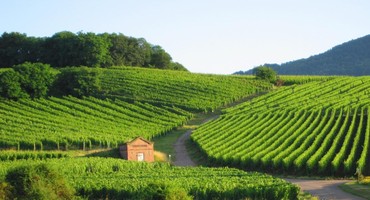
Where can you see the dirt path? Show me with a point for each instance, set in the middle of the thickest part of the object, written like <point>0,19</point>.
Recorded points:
<point>325,189</point>
<point>182,156</point>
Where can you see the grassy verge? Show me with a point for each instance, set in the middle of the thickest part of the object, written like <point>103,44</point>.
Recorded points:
<point>355,188</point>
<point>306,196</point>
<point>164,144</point>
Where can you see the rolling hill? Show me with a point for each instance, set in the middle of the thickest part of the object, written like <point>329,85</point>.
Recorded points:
<point>136,102</point>
<point>350,58</point>
<point>321,127</point>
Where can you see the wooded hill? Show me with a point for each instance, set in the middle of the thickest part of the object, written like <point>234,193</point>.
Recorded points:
<point>350,58</point>
<point>83,49</point>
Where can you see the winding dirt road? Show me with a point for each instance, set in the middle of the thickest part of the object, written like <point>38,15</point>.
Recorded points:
<point>325,189</point>
<point>182,156</point>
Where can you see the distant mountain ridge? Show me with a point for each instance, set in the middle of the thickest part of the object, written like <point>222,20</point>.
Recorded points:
<point>350,58</point>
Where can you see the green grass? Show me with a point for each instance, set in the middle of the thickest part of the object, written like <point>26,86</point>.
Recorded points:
<point>165,143</point>
<point>355,188</point>
<point>306,196</point>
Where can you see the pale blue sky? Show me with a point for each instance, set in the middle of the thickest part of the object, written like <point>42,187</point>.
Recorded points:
<point>208,36</point>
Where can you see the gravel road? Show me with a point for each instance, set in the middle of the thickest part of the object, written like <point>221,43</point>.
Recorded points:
<point>325,189</point>
<point>182,156</point>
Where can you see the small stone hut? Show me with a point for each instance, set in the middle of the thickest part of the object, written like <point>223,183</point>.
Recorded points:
<point>138,149</point>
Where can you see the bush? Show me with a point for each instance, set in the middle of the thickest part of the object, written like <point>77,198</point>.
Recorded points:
<point>265,73</point>
<point>6,191</point>
<point>38,182</point>
<point>162,191</point>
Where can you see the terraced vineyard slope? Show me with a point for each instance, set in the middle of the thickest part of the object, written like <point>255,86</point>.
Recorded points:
<point>194,92</point>
<point>107,178</point>
<point>321,127</point>
<point>69,122</point>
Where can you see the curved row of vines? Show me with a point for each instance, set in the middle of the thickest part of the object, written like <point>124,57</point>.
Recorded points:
<point>320,127</point>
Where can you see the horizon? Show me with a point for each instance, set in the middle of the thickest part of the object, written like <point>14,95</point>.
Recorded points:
<point>212,37</point>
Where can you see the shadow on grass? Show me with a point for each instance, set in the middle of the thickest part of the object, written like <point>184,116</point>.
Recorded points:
<point>355,188</point>
<point>108,153</point>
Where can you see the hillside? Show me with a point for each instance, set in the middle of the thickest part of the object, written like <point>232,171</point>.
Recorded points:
<point>350,58</point>
<point>318,128</point>
<point>132,102</point>
<point>195,92</point>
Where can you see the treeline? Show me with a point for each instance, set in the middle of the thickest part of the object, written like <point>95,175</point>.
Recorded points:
<point>37,80</point>
<point>83,49</point>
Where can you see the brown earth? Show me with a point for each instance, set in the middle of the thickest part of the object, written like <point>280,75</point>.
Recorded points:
<point>325,189</point>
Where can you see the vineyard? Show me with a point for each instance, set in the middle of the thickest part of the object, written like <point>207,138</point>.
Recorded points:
<point>194,92</point>
<point>69,122</point>
<point>137,102</point>
<point>106,178</point>
<point>321,127</point>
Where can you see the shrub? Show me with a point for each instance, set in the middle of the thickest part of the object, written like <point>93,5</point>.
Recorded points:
<point>162,191</point>
<point>6,191</point>
<point>38,182</point>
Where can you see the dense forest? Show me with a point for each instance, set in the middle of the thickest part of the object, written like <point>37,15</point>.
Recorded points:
<point>83,49</point>
<point>350,58</point>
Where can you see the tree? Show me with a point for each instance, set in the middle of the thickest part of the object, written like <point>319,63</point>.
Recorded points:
<point>93,50</point>
<point>78,82</point>
<point>66,49</point>
<point>177,66</point>
<point>61,49</point>
<point>17,48</point>
<point>10,86</point>
<point>160,58</point>
<point>35,78</point>
<point>265,73</point>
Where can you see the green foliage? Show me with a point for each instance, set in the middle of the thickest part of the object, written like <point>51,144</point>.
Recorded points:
<point>35,78</point>
<point>69,122</point>
<point>265,73</point>
<point>128,51</point>
<point>83,49</point>
<point>26,80</point>
<point>108,178</point>
<point>31,155</point>
<point>163,191</point>
<point>6,191</point>
<point>78,82</point>
<point>199,92</point>
<point>38,182</point>
<point>10,86</point>
<point>318,128</point>
<point>17,48</point>
<point>160,59</point>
